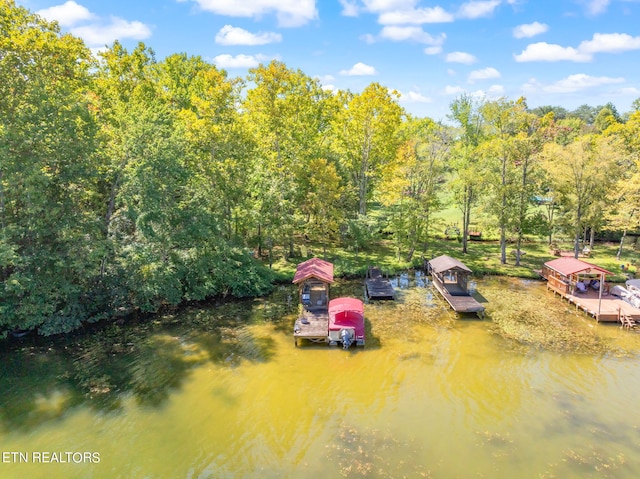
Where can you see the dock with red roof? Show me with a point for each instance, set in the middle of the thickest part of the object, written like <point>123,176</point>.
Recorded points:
<point>583,284</point>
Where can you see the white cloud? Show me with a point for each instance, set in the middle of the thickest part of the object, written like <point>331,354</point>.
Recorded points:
<point>98,33</point>
<point>67,14</point>
<point>461,57</point>
<point>548,52</point>
<point>326,82</point>
<point>229,35</point>
<point>496,90</point>
<point>326,78</point>
<point>629,91</point>
<point>572,83</point>
<point>368,38</point>
<point>483,74</point>
<point>454,90</point>
<point>580,81</point>
<point>359,69</point>
<point>290,13</point>
<point>239,61</point>
<point>532,86</point>
<point>477,9</point>
<point>529,30</point>
<point>610,43</point>
<point>118,29</point>
<point>451,72</point>
<point>416,34</point>
<point>349,8</point>
<point>97,51</point>
<point>416,16</point>
<point>600,43</point>
<point>433,50</point>
<point>480,94</point>
<point>414,97</point>
<point>377,6</point>
<point>596,7</point>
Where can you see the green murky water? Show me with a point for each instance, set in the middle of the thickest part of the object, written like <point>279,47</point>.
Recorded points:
<point>222,392</point>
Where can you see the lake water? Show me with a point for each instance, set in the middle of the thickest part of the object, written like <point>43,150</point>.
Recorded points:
<point>222,392</point>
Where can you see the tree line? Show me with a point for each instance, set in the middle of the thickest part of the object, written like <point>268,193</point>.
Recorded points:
<point>128,183</point>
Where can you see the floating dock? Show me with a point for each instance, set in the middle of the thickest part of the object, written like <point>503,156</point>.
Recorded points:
<point>459,303</point>
<point>607,309</point>
<point>312,325</point>
<point>450,277</point>
<point>377,286</point>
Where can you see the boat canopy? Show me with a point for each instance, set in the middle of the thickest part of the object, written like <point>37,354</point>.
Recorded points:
<point>347,313</point>
<point>346,304</point>
<point>633,285</point>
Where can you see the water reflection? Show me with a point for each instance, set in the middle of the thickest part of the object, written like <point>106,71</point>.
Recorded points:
<point>221,391</point>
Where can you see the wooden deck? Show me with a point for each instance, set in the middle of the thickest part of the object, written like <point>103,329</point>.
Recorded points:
<point>612,308</point>
<point>312,325</point>
<point>378,287</point>
<point>458,299</point>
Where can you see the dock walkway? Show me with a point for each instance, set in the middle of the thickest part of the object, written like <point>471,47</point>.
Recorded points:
<point>312,325</point>
<point>460,303</point>
<point>377,286</point>
<point>610,309</point>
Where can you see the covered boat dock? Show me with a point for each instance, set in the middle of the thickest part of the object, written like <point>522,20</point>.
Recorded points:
<point>583,284</point>
<point>313,277</point>
<point>451,279</point>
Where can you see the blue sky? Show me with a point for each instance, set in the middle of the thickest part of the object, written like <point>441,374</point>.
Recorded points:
<point>562,52</point>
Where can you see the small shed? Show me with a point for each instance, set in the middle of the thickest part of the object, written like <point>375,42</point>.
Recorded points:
<point>313,278</point>
<point>452,274</point>
<point>565,275</point>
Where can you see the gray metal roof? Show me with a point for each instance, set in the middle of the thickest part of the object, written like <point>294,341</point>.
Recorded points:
<point>446,263</point>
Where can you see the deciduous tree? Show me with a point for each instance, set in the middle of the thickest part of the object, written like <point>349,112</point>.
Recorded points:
<point>410,186</point>
<point>365,137</point>
<point>581,173</point>
<point>464,158</point>
<point>47,132</point>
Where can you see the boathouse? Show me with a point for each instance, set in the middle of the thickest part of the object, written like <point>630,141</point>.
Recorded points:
<point>451,279</point>
<point>323,321</point>
<point>313,278</point>
<point>583,284</point>
<point>567,276</point>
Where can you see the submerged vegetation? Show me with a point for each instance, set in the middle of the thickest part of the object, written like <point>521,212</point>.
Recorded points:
<point>516,317</point>
<point>130,185</point>
<point>531,318</point>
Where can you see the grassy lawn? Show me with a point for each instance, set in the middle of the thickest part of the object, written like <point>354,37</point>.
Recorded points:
<point>483,258</point>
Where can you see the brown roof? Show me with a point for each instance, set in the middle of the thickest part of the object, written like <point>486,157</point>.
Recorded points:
<point>568,266</point>
<point>314,268</point>
<point>446,263</point>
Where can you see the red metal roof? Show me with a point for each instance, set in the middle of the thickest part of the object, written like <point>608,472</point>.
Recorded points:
<point>568,266</point>
<point>314,268</point>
